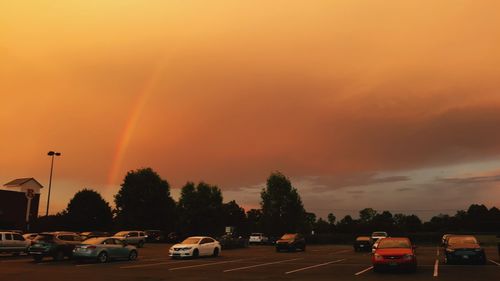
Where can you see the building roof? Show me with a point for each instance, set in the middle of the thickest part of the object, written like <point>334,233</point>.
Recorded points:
<point>20,182</point>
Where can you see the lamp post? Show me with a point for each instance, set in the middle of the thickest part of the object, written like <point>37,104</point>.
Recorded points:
<point>51,154</point>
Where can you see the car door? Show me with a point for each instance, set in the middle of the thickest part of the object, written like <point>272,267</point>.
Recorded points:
<point>133,238</point>
<point>8,242</point>
<point>19,242</point>
<point>121,249</point>
<point>207,245</point>
<point>111,247</point>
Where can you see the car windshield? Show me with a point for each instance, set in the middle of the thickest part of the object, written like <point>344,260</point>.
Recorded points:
<point>288,236</point>
<point>462,240</point>
<point>44,237</point>
<point>391,243</point>
<point>93,241</point>
<point>379,234</point>
<point>191,241</point>
<point>121,234</point>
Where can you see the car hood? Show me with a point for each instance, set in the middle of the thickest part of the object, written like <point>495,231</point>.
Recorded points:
<point>184,245</point>
<point>285,241</point>
<point>463,246</point>
<point>394,251</point>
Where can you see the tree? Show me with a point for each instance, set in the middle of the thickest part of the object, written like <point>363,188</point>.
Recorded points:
<point>254,219</point>
<point>282,209</point>
<point>234,215</point>
<point>367,215</point>
<point>200,209</point>
<point>88,211</point>
<point>144,201</point>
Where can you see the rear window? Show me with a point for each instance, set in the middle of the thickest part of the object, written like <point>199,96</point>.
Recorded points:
<point>18,237</point>
<point>462,240</point>
<point>288,236</point>
<point>363,238</point>
<point>392,243</point>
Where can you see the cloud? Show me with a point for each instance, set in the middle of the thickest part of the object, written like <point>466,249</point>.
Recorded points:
<point>471,180</point>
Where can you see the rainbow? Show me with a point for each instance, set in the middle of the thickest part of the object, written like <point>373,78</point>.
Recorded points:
<point>128,131</point>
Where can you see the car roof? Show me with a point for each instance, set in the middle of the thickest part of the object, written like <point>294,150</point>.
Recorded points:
<point>199,237</point>
<point>395,238</point>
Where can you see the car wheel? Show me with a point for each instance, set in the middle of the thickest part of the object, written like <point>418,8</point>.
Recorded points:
<point>196,253</point>
<point>132,256</point>
<point>59,255</point>
<point>102,257</point>
<point>216,252</point>
<point>37,258</point>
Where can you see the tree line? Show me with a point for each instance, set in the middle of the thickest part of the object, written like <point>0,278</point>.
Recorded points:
<point>144,202</point>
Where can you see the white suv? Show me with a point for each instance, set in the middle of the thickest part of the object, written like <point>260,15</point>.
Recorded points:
<point>132,237</point>
<point>258,238</point>
<point>13,242</point>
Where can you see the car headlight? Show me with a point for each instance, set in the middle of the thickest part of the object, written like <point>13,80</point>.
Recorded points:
<point>186,248</point>
<point>378,257</point>
<point>408,257</point>
<point>450,250</point>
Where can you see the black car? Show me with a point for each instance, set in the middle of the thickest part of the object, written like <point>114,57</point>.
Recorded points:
<point>362,243</point>
<point>291,241</point>
<point>464,249</point>
<point>230,241</point>
<point>154,236</point>
<point>54,244</point>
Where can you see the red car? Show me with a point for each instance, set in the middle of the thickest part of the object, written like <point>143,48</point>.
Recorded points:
<point>394,252</point>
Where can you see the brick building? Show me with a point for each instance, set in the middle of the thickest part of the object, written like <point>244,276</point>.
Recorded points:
<point>13,202</point>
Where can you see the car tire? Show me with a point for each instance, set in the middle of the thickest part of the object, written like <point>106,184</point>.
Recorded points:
<point>132,256</point>
<point>102,257</point>
<point>59,255</point>
<point>216,252</point>
<point>196,253</point>
<point>37,258</point>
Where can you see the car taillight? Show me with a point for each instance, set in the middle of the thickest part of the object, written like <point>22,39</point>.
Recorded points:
<point>408,257</point>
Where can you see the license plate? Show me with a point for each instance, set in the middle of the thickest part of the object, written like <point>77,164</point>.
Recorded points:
<point>465,256</point>
<point>361,246</point>
<point>393,263</point>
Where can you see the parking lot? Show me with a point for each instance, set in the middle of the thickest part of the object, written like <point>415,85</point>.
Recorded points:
<point>328,262</point>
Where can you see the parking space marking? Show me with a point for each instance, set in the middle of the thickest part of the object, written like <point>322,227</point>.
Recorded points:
<point>436,268</point>
<point>363,271</point>
<point>341,251</point>
<point>262,264</point>
<point>149,264</point>
<point>314,266</point>
<point>495,262</point>
<point>205,264</point>
<point>24,260</point>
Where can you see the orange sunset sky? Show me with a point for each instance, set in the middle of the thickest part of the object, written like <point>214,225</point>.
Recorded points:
<point>386,104</point>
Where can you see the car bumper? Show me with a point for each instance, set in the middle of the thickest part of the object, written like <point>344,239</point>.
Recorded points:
<point>180,254</point>
<point>465,258</point>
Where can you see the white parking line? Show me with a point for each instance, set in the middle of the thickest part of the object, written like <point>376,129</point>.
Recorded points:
<point>262,264</point>
<point>436,268</point>
<point>363,271</point>
<point>340,252</point>
<point>149,264</point>
<point>495,262</point>
<point>24,260</point>
<point>314,266</point>
<point>205,264</point>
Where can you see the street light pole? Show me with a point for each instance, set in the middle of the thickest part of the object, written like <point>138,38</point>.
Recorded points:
<point>51,154</point>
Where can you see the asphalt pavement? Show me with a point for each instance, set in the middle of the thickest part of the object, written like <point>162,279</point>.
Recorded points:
<point>327,262</point>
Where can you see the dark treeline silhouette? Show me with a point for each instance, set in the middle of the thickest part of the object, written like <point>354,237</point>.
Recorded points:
<point>144,202</point>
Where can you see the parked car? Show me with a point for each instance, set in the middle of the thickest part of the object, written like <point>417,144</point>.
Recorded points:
<point>93,234</point>
<point>154,236</point>
<point>377,235</point>
<point>54,244</point>
<point>30,237</point>
<point>104,249</point>
<point>195,246</point>
<point>464,249</point>
<point>132,237</point>
<point>362,243</point>
<point>394,252</point>
<point>258,238</point>
<point>291,241</point>
<point>13,243</point>
<point>230,241</point>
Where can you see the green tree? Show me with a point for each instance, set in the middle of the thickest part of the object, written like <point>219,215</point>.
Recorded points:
<point>367,215</point>
<point>282,209</point>
<point>234,215</point>
<point>144,201</point>
<point>254,219</point>
<point>87,210</point>
<point>201,210</point>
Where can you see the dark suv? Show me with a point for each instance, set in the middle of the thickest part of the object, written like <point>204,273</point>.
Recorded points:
<point>54,244</point>
<point>291,241</point>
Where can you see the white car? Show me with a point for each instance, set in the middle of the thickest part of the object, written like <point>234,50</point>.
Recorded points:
<point>195,246</point>
<point>258,238</point>
<point>133,237</point>
<point>13,242</point>
<point>377,235</point>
